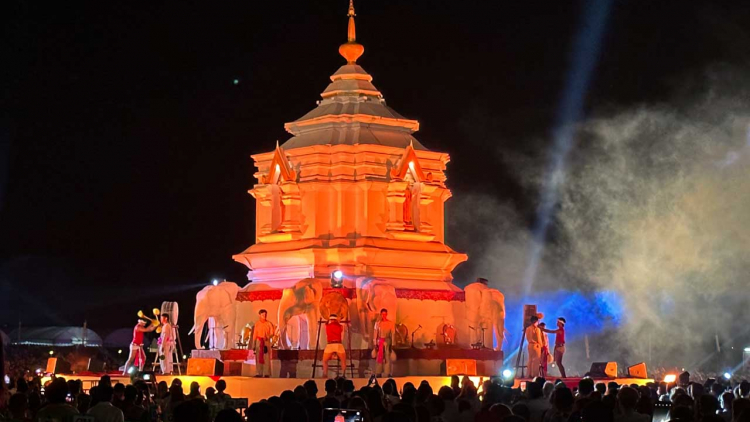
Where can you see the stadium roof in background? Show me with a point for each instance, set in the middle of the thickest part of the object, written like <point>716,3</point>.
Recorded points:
<point>56,336</point>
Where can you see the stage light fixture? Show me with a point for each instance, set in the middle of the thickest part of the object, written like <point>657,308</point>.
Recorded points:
<point>337,279</point>
<point>119,351</point>
<point>131,370</point>
<point>51,352</point>
<point>669,379</point>
<point>727,376</point>
<point>215,282</point>
<point>747,349</point>
<point>507,373</point>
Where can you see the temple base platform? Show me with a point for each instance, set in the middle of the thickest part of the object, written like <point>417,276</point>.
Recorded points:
<point>410,361</point>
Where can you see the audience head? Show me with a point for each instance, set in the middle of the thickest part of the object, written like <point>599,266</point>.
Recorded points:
<point>221,385</point>
<point>293,412</point>
<point>197,411</point>
<point>312,388</point>
<point>56,391</point>
<point>627,398</point>
<point>262,412</point>
<point>585,387</point>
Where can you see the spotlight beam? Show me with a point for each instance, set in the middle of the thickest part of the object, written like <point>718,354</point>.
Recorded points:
<point>583,61</point>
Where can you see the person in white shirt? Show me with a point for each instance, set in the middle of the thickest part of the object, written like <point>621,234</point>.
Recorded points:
<point>534,339</point>
<point>104,411</point>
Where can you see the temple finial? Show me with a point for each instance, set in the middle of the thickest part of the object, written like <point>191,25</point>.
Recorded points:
<point>351,51</point>
<point>352,34</point>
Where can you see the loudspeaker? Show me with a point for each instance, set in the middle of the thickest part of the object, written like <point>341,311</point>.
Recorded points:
<point>57,366</point>
<point>96,365</point>
<point>603,370</point>
<point>637,371</point>
<point>205,366</point>
<point>460,367</point>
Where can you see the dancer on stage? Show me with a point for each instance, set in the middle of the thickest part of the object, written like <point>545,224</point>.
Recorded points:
<point>559,351</point>
<point>166,346</point>
<point>384,338</point>
<point>334,337</point>
<point>136,347</point>
<point>264,330</point>
<point>534,338</point>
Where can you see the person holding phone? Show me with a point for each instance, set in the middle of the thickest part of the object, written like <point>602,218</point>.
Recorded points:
<point>384,338</point>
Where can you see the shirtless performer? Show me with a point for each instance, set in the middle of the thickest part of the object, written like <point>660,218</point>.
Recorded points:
<point>559,350</point>
<point>264,330</point>
<point>334,336</point>
<point>385,331</point>
<point>136,347</point>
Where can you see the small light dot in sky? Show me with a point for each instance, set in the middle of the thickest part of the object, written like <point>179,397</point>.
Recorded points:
<point>236,82</point>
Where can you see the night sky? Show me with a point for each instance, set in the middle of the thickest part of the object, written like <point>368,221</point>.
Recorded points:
<point>125,143</point>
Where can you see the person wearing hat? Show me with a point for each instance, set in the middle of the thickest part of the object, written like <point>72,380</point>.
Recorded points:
<point>559,350</point>
<point>136,355</point>
<point>334,337</point>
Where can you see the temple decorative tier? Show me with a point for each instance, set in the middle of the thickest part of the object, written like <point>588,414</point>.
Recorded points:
<point>353,190</point>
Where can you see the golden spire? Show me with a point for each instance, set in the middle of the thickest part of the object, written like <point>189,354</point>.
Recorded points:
<point>352,31</point>
<point>351,50</point>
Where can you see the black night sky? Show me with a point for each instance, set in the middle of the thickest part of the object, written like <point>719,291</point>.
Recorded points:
<point>125,144</point>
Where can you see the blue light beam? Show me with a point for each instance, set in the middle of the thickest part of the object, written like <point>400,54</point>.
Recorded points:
<point>583,61</point>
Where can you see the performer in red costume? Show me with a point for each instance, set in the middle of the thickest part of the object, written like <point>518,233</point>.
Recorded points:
<point>559,351</point>
<point>137,356</point>
<point>262,333</point>
<point>334,337</point>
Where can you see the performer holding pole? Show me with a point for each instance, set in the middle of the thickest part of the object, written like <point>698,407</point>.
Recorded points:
<point>384,338</point>
<point>262,333</point>
<point>334,337</point>
<point>559,351</point>
<point>534,338</point>
<point>137,356</point>
<point>166,347</point>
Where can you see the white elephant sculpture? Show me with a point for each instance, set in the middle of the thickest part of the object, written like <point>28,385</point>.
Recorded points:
<point>218,304</point>
<point>485,308</point>
<point>372,296</point>
<point>303,299</point>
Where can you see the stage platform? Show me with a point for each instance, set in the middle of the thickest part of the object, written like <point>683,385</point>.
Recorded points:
<point>412,361</point>
<point>255,389</point>
<point>573,382</point>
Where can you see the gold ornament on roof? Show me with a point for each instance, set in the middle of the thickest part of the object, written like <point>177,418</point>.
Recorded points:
<point>351,50</point>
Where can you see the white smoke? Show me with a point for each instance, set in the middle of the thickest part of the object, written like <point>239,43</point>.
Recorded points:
<point>656,207</point>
